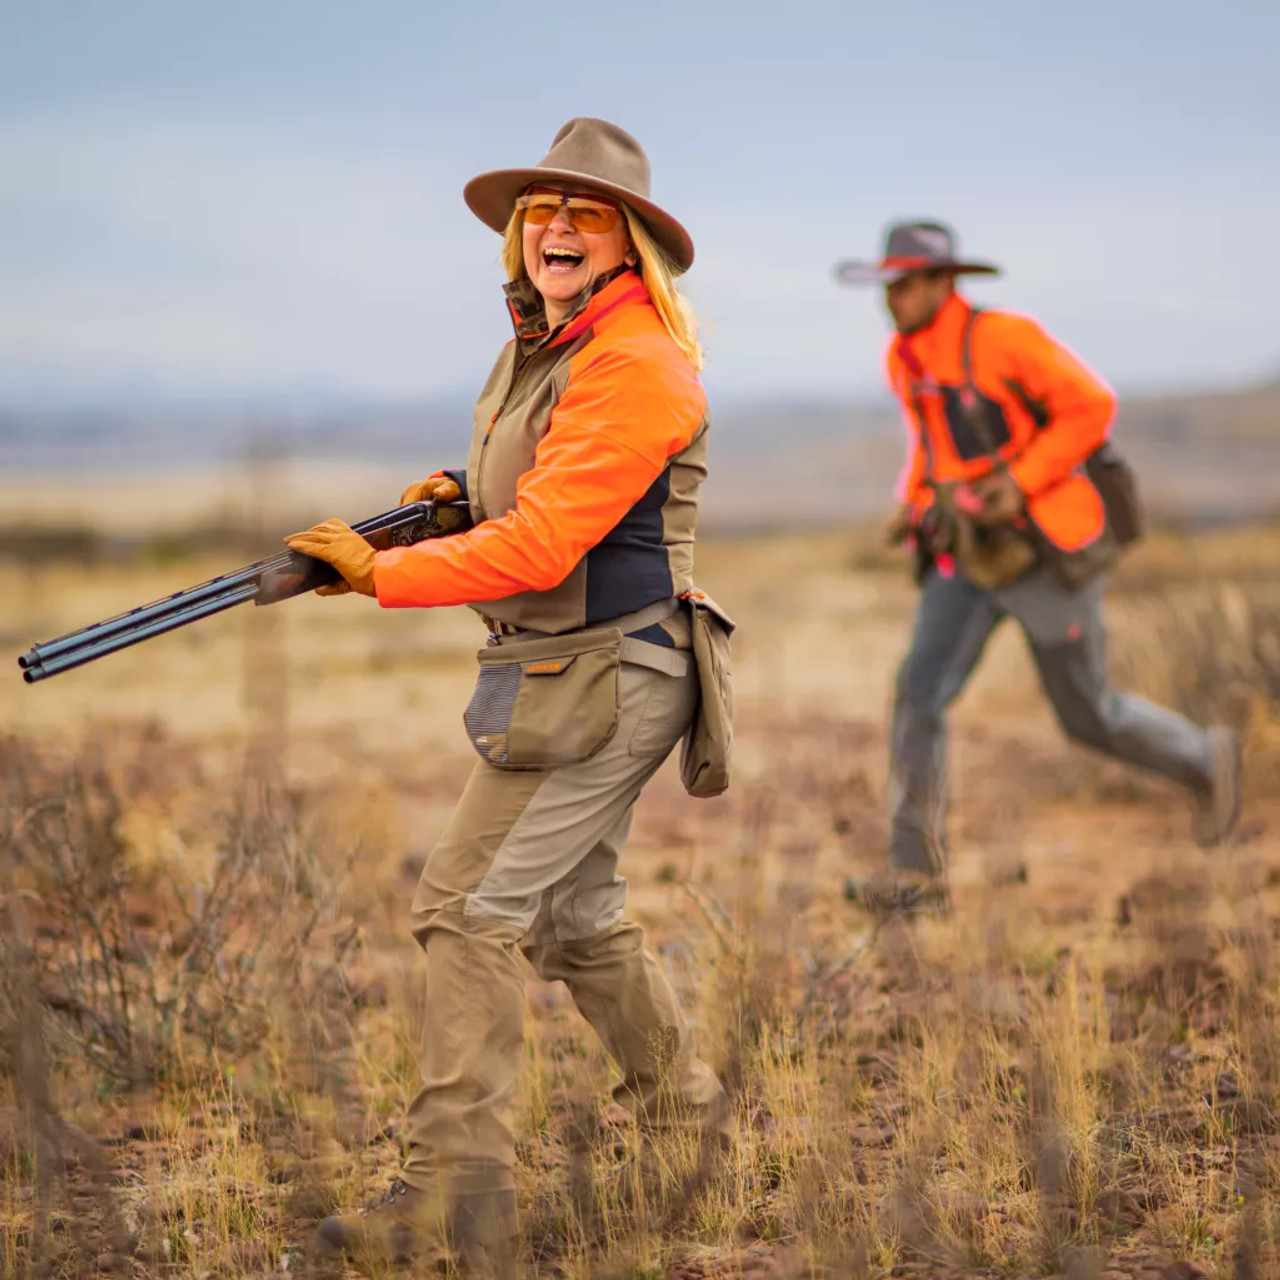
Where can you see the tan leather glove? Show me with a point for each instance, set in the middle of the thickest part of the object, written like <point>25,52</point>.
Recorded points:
<point>341,546</point>
<point>432,489</point>
<point>1002,500</point>
<point>897,528</point>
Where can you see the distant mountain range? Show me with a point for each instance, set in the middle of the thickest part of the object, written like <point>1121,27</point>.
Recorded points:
<point>1211,457</point>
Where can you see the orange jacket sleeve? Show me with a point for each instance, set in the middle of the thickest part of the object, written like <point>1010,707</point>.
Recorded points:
<point>911,479</point>
<point>1079,405</point>
<point>625,412</point>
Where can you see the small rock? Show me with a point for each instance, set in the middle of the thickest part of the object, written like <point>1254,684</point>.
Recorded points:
<point>248,1256</point>
<point>1227,1086</point>
<point>961,1204</point>
<point>867,1135</point>
<point>1184,1269</point>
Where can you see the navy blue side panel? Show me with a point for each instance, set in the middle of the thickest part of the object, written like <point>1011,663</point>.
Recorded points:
<point>628,568</point>
<point>654,633</point>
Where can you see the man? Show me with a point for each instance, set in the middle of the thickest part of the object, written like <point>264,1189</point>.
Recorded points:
<point>1014,506</point>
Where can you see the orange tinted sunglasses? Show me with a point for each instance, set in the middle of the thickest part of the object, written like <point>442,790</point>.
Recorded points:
<point>590,214</point>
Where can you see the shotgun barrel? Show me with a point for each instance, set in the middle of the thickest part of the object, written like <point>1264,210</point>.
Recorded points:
<point>269,581</point>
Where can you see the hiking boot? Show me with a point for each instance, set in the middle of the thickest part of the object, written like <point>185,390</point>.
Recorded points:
<point>398,1226</point>
<point>1216,805</point>
<point>899,893</point>
<point>483,1232</point>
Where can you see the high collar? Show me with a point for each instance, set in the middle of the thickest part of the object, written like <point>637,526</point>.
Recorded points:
<point>529,313</point>
<point>939,340</point>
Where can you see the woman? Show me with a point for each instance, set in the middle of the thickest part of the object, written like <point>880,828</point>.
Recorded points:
<point>588,450</point>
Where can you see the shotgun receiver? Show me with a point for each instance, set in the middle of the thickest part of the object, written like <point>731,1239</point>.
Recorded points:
<point>264,582</point>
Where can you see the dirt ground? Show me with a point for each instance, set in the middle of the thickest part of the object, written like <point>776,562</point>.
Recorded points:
<point>210,995</point>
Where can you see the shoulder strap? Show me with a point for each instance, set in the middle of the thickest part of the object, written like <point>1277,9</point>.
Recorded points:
<point>917,405</point>
<point>970,402</point>
<point>966,347</point>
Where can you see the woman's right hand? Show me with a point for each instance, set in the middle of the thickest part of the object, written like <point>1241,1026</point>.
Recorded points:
<point>432,489</point>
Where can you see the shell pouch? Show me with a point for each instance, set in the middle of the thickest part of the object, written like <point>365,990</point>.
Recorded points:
<point>1077,513</point>
<point>707,751</point>
<point>542,703</point>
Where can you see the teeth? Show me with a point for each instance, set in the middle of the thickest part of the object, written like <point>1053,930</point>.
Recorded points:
<point>561,253</point>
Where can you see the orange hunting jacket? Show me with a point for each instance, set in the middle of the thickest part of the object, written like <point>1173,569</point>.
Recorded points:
<point>1043,409</point>
<point>588,447</point>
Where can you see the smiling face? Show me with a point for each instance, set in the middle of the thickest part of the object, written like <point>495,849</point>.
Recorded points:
<point>570,238</point>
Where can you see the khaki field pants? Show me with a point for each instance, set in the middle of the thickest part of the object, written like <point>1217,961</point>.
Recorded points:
<point>529,863</point>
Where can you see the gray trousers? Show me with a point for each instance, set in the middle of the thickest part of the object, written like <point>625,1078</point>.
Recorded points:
<point>1067,636</point>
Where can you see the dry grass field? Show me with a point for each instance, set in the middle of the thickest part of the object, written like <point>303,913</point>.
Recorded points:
<point>209,999</point>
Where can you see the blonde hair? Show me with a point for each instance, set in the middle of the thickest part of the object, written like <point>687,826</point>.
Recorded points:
<point>655,268</point>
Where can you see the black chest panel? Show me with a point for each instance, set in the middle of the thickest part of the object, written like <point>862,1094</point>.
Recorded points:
<point>979,429</point>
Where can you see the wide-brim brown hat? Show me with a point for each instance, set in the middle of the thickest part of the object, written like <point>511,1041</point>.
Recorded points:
<point>588,153</point>
<point>914,246</point>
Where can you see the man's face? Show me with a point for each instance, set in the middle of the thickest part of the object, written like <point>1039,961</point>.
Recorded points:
<point>913,300</point>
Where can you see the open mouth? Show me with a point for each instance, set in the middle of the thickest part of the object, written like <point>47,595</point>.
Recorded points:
<point>561,261</point>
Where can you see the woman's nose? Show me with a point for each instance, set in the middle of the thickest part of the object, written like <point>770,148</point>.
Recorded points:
<point>561,222</point>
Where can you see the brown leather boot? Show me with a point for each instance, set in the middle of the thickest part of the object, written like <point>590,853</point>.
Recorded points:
<point>397,1227</point>
<point>1217,805</point>
<point>405,1223</point>
<point>899,893</point>
<point>483,1232</point>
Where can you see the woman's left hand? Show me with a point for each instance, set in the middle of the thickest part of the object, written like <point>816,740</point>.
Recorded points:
<point>341,546</point>
<point>438,488</point>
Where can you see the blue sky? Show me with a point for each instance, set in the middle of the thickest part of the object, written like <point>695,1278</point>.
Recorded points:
<point>212,199</point>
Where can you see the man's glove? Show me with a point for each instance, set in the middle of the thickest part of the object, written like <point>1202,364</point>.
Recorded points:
<point>1001,498</point>
<point>432,489</point>
<point>897,528</point>
<point>341,546</point>
<point>936,532</point>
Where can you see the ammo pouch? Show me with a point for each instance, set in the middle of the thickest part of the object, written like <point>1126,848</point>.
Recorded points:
<point>1074,569</point>
<point>989,556</point>
<point>545,702</point>
<point>1117,486</point>
<point>707,751</point>
<point>994,557</point>
<point>1115,482</point>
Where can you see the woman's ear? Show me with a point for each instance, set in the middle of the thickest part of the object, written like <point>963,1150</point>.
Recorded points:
<point>631,257</point>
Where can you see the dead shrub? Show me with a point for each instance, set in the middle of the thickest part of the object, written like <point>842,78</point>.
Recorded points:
<point>1212,649</point>
<point>149,972</point>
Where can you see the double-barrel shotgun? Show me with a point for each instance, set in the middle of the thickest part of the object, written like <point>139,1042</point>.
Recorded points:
<point>265,582</point>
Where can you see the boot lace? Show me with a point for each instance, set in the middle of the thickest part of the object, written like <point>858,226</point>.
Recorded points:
<point>394,1192</point>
